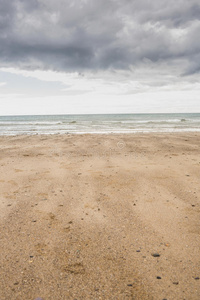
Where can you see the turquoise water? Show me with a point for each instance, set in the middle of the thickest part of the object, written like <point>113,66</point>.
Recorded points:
<point>113,123</point>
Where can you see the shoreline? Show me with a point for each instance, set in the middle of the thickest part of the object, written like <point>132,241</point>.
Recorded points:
<point>103,133</point>
<point>90,216</point>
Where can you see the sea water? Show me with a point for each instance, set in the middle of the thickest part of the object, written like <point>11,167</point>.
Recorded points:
<point>110,123</point>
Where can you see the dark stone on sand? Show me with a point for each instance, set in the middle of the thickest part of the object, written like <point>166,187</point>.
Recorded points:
<point>137,250</point>
<point>129,284</point>
<point>155,254</point>
<point>158,277</point>
<point>193,205</point>
<point>196,278</point>
<point>176,282</point>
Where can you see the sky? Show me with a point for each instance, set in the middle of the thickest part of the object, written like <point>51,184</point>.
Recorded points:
<point>103,56</point>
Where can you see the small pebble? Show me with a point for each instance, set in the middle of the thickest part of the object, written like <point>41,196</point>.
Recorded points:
<point>158,277</point>
<point>137,250</point>
<point>129,285</point>
<point>155,254</point>
<point>196,278</point>
<point>176,282</point>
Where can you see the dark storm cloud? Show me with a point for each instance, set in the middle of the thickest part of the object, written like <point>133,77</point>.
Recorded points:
<point>75,35</point>
<point>6,15</point>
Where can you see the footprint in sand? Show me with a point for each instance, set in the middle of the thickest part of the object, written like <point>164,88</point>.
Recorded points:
<point>12,182</point>
<point>66,229</point>
<point>41,249</point>
<point>76,268</point>
<point>52,219</point>
<point>44,195</point>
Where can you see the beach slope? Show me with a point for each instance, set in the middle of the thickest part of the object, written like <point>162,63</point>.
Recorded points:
<point>100,216</point>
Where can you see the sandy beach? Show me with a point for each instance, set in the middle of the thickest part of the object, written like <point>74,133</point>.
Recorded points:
<point>100,217</point>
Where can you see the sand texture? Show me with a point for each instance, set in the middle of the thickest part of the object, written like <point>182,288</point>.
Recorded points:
<point>100,217</point>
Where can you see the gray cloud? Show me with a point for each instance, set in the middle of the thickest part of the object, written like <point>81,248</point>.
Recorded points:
<point>75,35</point>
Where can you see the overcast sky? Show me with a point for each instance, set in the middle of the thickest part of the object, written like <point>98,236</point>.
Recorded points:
<point>103,56</point>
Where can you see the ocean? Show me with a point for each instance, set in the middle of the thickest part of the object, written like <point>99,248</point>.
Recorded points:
<point>112,123</point>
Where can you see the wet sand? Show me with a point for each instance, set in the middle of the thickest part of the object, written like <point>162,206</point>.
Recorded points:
<point>100,217</point>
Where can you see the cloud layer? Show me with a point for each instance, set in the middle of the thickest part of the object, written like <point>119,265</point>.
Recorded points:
<point>88,35</point>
